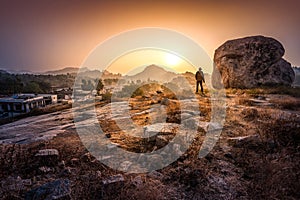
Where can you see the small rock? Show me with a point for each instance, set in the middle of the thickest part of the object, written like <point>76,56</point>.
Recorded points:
<point>162,128</point>
<point>12,184</point>
<point>124,166</point>
<point>62,163</point>
<point>258,102</point>
<point>228,155</point>
<point>113,179</point>
<point>142,159</point>
<point>87,157</point>
<point>214,126</point>
<point>98,173</point>
<point>195,123</point>
<point>239,141</point>
<point>190,123</point>
<point>194,113</point>
<point>162,140</point>
<point>46,169</point>
<point>27,182</point>
<point>105,157</point>
<point>58,189</point>
<point>261,98</point>
<point>156,161</point>
<point>75,161</point>
<point>65,172</point>
<point>176,148</point>
<point>165,102</point>
<point>47,152</point>
<point>137,181</point>
<point>156,175</point>
<point>112,146</point>
<point>185,116</point>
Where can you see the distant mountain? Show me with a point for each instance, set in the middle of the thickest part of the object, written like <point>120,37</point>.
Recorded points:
<point>3,71</point>
<point>93,74</point>
<point>84,73</point>
<point>11,71</point>
<point>153,72</point>
<point>66,70</point>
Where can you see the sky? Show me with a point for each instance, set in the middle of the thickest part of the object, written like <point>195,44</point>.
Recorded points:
<point>46,35</point>
<point>135,62</point>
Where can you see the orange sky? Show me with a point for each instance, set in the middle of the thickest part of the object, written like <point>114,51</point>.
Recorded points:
<point>135,62</point>
<point>43,35</point>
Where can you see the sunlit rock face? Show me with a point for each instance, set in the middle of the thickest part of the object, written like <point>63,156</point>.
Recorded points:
<point>251,62</point>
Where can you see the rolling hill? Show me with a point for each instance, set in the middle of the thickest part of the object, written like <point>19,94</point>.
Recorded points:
<point>153,72</point>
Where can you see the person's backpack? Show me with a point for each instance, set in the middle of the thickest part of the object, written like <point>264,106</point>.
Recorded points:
<point>199,76</point>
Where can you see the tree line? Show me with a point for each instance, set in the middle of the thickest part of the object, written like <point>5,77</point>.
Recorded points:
<point>31,83</point>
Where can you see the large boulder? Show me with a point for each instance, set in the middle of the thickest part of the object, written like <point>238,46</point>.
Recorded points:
<point>251,62</point>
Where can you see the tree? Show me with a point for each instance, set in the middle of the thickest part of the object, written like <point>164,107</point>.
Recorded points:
<point>87,85</point>
<point>32,87</point>
<point>44,86</point>
<point>83,81</point>
<point>122,81</point>
<point>99,86</point>
<point>108,81</point>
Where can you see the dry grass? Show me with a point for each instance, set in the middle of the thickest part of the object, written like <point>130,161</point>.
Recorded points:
<point>283,90</point>
<point>271,164</point>
<point>264,168</point>
<point>287,103</point>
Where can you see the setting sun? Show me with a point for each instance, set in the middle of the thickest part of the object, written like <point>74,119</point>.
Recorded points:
<point>135,61</point>
<point>172,59</point>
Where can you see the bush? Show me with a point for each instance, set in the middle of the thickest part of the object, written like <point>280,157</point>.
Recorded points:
<point>106,96</point>
<point>138,92</point>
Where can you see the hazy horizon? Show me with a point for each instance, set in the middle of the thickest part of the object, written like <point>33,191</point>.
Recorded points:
<point>132,72</point>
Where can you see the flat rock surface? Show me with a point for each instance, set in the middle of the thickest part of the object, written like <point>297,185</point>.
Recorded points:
<point>31,129</point>
<point>255,157</point>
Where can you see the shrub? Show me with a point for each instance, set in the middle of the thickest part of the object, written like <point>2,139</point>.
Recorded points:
<point>106,96</point>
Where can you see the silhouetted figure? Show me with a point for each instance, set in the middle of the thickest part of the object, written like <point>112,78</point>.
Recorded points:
<point>199,79</point>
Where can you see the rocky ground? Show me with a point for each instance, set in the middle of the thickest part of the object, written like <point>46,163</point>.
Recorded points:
<point>256,157</point>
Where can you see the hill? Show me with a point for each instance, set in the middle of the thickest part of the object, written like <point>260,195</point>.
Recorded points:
<point>11,71</point>
<point>66,70</point>
<point>84,72</point>
<point>153,72</point>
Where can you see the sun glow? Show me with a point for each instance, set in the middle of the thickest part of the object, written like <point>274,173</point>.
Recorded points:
<point>136,59</point>
<point>172,59</point>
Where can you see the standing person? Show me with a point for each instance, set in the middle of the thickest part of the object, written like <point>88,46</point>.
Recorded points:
<point>199,78</point>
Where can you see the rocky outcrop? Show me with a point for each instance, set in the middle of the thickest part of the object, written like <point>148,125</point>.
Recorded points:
<point>251,62</point>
